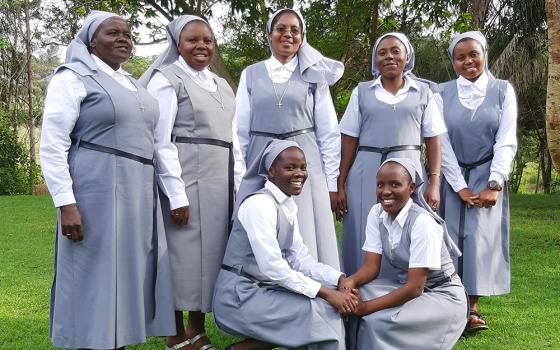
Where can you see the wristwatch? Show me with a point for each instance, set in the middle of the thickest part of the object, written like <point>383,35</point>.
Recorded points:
<point>494,185</point>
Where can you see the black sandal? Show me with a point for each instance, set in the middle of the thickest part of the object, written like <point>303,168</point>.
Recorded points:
<point>470,328</point>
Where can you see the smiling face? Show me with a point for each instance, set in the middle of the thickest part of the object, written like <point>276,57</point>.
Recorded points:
<point>289,171</point>
<point>196,44</point>
<point>112,42</point>
<point>391,57</point>
<point>468,59</point>
<point>286,36</point>
<point>394,188</point>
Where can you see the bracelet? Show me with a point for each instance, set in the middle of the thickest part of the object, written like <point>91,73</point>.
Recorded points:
<point>436,174</point>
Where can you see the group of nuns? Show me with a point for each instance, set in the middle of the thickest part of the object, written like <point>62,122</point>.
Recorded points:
<point>175,195</point>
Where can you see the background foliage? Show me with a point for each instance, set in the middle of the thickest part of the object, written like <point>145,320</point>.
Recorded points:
<point>341,29</point>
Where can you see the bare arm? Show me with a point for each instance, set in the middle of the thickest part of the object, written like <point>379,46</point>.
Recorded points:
<point>365,274</point>
<point>433,153</point>
<point>348,154</point>
<point>413,288</point>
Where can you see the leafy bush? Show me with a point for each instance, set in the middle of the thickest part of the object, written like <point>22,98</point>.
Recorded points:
<point>14,163</point>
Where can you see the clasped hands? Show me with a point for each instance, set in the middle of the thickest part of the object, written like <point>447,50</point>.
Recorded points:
<point>485,199</point>
<point>350,300</point>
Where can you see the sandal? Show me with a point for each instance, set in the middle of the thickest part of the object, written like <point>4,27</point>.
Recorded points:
<point>471,328</point>
<point>178,345</point>
<point>197,337</point>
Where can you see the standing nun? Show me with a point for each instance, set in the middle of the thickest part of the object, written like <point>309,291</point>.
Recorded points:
<point>480,112</point>
<point>112,284</point>
<point>270,288</point>
<point>288,97</point>
<point>424,305</point>
<point>195,126</point>
<point>389,116</point>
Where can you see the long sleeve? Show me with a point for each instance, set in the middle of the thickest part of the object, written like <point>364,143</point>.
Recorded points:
<point>505,145</point>
<point>328,134</point>
<point>449,165</point>
<point>239,167</point>
<point>62,108</point>
<point>169,169</point>
<point>257,214</point>
<point>300,260</point>
<point>243,114</point>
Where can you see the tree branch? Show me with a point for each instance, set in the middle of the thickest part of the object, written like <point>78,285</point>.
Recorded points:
<point>155,41</point>
<point>159,9</point>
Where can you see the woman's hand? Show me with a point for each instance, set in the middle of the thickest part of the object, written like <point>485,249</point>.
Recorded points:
<point>432,194</point>
<point>346,284</point>
<point>488,198</point>
<point>341,208</point>
<point>468,197</point>
<point>344,303</point>
<point>71,222</point>
<point>333,196</point>
<point>360,309</point>
<point>180,216</point>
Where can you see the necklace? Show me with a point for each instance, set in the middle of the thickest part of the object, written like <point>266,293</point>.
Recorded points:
<point>221,100</point>
<point>279,104</point>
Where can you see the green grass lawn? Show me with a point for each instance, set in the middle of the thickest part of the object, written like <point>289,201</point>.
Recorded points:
<point>528,318</point>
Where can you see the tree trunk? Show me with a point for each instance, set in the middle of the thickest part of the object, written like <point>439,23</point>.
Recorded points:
<point>553,89</point>
<point>478,10</point>
<point>517,173</point>
<point>547,172</point>
<point>373,26</point>
<point>31,118</point>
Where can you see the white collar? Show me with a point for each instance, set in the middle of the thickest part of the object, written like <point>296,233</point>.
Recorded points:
<point>400,219</point>
<point>276,192</point>
<point>291,65</point>
<point>408,84</point>
<point>479,84</point>
<point>204,73</point>
<point>104,67</point>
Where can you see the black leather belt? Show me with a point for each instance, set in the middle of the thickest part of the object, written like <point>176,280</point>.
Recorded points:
<point>386,150</point>
<point>239,271</point>
<point>110,150</point>
<point>468,167</point>
<point>282,136</point>
<point>440,282</point>
<point>117,152</point>
<point>219,143</point>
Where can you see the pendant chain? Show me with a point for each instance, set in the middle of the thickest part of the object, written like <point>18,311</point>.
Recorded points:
<point>140,104</point>
<point>279,104</point>
<point>220,100</point>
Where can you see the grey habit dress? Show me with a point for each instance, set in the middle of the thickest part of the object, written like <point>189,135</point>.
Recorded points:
<point>248,304</point>
<point>481,233</point>
<point>435,319</point>
<point>386,131</point>
<point>203,136</point>
<point>295,121</point>
<point>114,287</point>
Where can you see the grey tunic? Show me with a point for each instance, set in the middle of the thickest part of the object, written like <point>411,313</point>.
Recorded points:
<point>315,217</point>
<point>196,250</point>
<point>102,292</point>
<point>434,320</point>
<point>271,313</point>
<point>485,264</point>
<point>382,126</point>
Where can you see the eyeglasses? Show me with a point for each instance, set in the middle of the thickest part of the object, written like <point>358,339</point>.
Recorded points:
<point>293,30</point>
